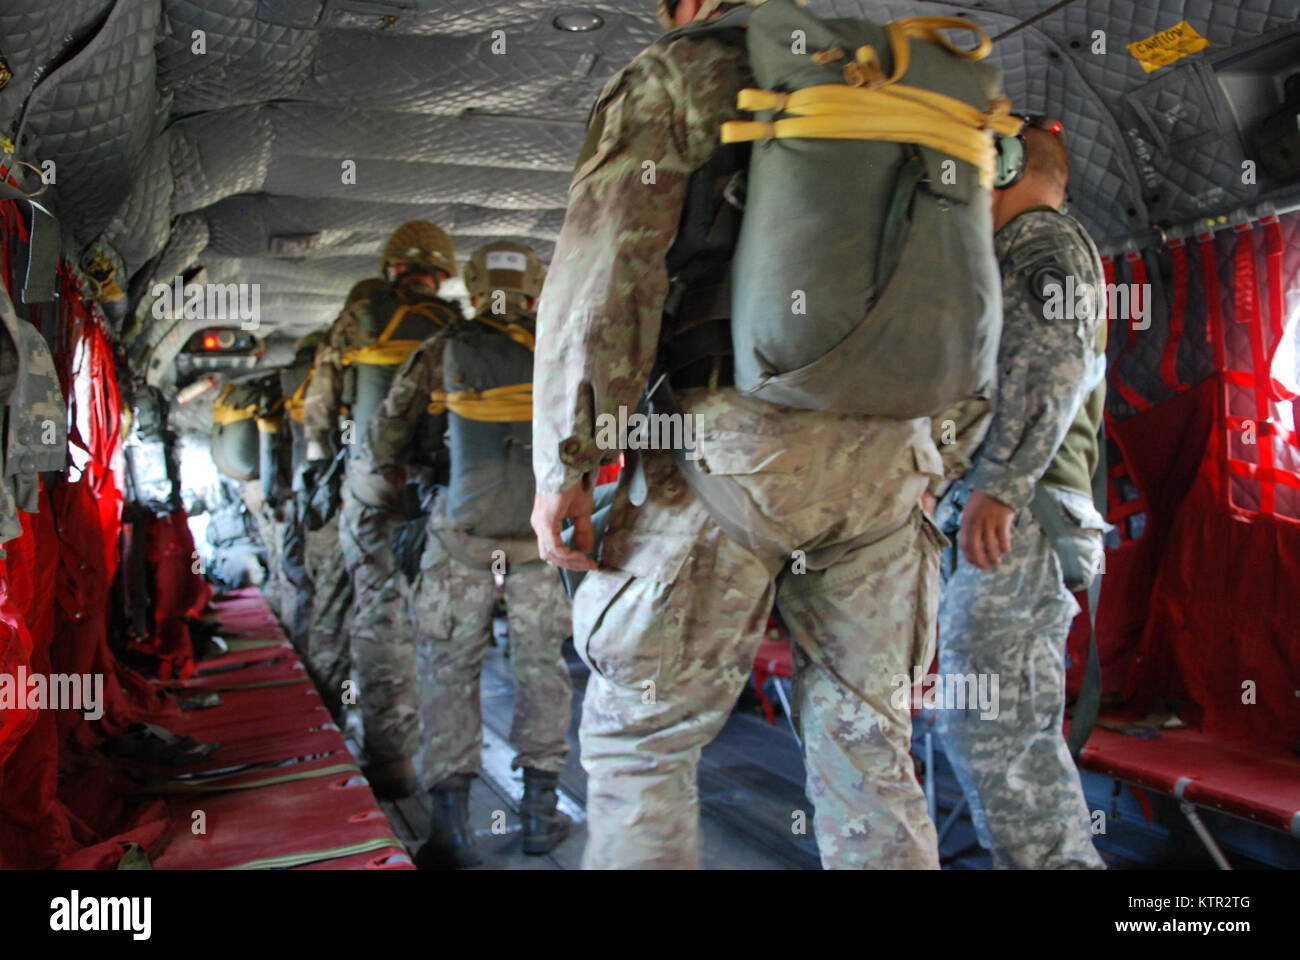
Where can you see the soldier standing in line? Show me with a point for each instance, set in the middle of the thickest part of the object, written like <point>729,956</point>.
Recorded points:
<point>293,385</point>
<point>473,382</point>
<point>328,658</point>
<point>370,339</point>
<point>1007,609</point>
<point>670,622</point>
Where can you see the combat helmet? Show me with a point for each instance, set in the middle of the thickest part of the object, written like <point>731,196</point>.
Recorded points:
<point>507,266</point>
<point>309,344</point>
<point>420,242</point>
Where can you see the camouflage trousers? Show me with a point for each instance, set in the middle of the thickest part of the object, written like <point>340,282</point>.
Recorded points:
<point>271,533</point>
<point>671,623</point>
<point>297,597</point>
<point>1015,769</point>
<point>382,643</point>
<point>453,616</point>
<point>327,648</point>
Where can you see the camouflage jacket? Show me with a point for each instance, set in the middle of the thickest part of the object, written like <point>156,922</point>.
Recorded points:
<point>324,398</point>
<point>1048,358</point>
<point>654,124</point>
<point>33,417</point>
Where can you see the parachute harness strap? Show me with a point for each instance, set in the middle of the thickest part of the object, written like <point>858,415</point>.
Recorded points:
<point>271,419</point>
<point>510,404</point>
<point>385,352</point>
<point>295,404</point>
<point>225,413</point>
<point>514,331</point>
<point>872,106</point>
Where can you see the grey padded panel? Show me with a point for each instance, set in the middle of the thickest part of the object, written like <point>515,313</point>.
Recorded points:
<point>94,117</point>
<point>442,127</point>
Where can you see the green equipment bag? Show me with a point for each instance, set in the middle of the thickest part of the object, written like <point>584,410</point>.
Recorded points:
<point>865,279</point>
<point>236,446</point>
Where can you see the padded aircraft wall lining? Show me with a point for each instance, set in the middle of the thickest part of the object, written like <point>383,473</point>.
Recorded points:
<point>231,158</point>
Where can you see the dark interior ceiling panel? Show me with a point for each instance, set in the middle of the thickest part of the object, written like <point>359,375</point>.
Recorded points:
<point>213,133</point>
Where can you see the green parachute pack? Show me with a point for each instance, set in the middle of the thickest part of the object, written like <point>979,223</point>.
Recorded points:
<point>864,278</point>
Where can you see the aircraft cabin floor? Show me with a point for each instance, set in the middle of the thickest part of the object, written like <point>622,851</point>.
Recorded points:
<point>751,779</point>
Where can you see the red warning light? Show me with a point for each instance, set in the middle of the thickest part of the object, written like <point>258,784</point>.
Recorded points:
<point>210,342</point>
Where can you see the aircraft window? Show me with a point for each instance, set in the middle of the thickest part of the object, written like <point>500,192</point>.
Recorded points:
<point>81,411</point>
<point>1285,370</point>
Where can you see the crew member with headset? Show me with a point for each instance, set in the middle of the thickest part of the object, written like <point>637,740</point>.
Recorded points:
<point>1030,533</point>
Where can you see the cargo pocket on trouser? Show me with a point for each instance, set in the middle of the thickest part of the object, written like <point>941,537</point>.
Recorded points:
<point>1045,677</point>
<point>933,546</point>
<point>430,601</point>
<point>873,613</point>
<point>624,627</point>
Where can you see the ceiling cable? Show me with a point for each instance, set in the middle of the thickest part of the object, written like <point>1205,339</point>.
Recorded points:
<point>1034,19</point>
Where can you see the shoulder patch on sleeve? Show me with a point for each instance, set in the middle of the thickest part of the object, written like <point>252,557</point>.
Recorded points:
<point>1046,282</point>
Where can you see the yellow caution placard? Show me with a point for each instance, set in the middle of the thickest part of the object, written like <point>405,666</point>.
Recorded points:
<point>1167,46</point>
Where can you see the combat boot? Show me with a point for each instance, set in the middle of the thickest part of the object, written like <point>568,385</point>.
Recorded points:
<point>544,825</point>
<point>391,779</point>
<point>451,841</point>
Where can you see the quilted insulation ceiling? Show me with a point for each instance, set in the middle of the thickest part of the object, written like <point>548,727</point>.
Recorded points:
<point>215,133</point>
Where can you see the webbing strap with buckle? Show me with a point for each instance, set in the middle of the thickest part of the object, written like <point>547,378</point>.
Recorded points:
<point>872,106</point>
<point>295,404</point>
<point>516,332</point>
<point>510,404</point>
<point>385,352</point>
<point>224,414</point>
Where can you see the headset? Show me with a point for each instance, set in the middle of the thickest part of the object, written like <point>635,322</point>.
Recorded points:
<point>1012,151</point>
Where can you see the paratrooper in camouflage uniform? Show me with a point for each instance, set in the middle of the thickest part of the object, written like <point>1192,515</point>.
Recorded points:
<point>454,384</point>
<point>1006,610</point>
<point>671,621</point>
<point>293,386</point>
<point>370,339</point>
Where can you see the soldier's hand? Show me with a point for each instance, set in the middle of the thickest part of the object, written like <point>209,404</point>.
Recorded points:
<point>550,510</point>
<point>985,535</point>
<point>928,502</point>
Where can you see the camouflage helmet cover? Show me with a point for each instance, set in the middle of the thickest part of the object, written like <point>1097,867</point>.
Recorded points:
<point>309,342</point>
<point>420,242</point>
<point>503,265</point>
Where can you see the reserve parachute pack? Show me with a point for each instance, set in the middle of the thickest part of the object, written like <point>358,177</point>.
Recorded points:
<point>490,392</point>
<point>864,278</point>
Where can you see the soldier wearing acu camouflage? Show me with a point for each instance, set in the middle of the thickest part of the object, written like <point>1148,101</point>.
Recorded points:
<point>1007,609</point>
<point>371,338</point>
<point>671,620</point>
<point>473,383</point>
<point>33,415</point>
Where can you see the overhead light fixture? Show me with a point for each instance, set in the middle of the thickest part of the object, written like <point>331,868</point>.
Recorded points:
<point>577,21</point>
